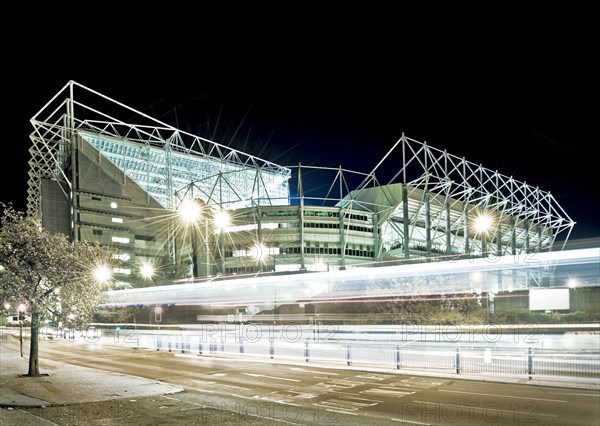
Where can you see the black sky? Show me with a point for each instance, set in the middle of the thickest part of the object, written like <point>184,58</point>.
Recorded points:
<point>527,107</point>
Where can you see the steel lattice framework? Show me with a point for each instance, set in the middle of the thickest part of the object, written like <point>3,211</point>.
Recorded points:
<point>445,194</point>
<point>167,162</point>
<point>429,204</point>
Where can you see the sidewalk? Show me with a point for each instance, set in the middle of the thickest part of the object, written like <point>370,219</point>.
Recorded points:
<point>65,384</point>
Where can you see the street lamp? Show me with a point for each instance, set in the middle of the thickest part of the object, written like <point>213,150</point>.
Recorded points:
<point>102,274</point>
<point>196,216</point>
<point>147,270</point>
<point>190,213</point>
<point>221,220</point>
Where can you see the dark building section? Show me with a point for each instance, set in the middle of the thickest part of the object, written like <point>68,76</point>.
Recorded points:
<point>56,207</point>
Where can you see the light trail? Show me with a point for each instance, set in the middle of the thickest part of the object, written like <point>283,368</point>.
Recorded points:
<point>418,281</point>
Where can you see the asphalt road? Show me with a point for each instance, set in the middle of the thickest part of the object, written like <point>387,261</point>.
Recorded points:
<point>261,392</point>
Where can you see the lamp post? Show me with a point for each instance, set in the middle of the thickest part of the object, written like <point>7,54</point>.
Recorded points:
<point>21,313</point>
<point>197,217</point>
<point>189,213</point>
<point>483,225</point>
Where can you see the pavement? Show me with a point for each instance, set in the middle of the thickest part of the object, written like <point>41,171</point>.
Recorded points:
<point>63,384</point>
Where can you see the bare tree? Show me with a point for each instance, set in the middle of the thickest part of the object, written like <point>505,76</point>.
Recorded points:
<point>49,274</point>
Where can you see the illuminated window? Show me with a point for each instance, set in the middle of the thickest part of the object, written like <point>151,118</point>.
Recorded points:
<point>123,240</point>
<point>117,220</point>
<point>113,205</point>
<point>122,256</point>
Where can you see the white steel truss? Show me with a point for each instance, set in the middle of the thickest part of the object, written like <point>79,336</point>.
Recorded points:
<point>163,160</point>
<point>445,193</point>
<point>429,204</point>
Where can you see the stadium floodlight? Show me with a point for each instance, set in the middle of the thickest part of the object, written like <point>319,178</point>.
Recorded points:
<point>147,270</point>
<point>221,219</point>
<point>483,223</point>
<point>102,274</point>
<point>189,211</point>
<point>258,252</point>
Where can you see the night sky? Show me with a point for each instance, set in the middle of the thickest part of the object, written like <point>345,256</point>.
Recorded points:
<point>528,109</point>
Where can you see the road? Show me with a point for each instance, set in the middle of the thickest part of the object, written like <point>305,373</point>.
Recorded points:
<point>262,392</point>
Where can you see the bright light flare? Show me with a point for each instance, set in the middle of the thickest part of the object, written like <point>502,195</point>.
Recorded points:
<point>102,274</point>
<point>482,223</point>
<point>258,252</point>
<point>189,211</point>
<point>147,270</point>
<point>222,219</point>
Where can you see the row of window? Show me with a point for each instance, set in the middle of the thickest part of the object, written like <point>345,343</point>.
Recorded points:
<point>359,252</point>
<point>307,213</point>
<point>336,225</point>
<point>125,240</point>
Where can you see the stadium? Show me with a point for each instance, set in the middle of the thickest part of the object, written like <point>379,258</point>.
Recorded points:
<point>188,213</point>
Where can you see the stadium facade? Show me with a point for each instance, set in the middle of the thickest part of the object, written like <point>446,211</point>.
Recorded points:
<point>124,183</point>
<point>265,238</point>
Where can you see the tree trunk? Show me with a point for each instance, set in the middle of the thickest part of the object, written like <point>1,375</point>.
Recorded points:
<point>34,367</point>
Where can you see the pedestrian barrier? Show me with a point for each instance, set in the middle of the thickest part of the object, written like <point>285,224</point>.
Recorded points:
<point>459,359</point>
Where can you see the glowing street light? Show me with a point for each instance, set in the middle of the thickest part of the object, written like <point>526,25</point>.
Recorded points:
<point>21,310</point>
<point>207,223</point>
<point>189,211</point>
<point>482,225</point>
<point>258,252</point>
<point>147,270</point>
<point>221,220</point>
<point>102,274</point>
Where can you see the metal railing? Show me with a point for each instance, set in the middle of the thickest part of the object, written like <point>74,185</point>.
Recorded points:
<point>515,361</point>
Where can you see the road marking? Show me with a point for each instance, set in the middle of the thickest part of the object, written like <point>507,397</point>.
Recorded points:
<point>202,382</point>
<point>271,377</point>
<point>313,371</point>
<point>282,420</point>
<point>347,405</point>
<point>597,395</point>
<point>472,407</point>
<point>292,395</point>
<point>409,421</point>
<point>278,401</point>
<point>387,392</point>
<point>335,384</point>
<point>379,377</point>
<point>502,396</point>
